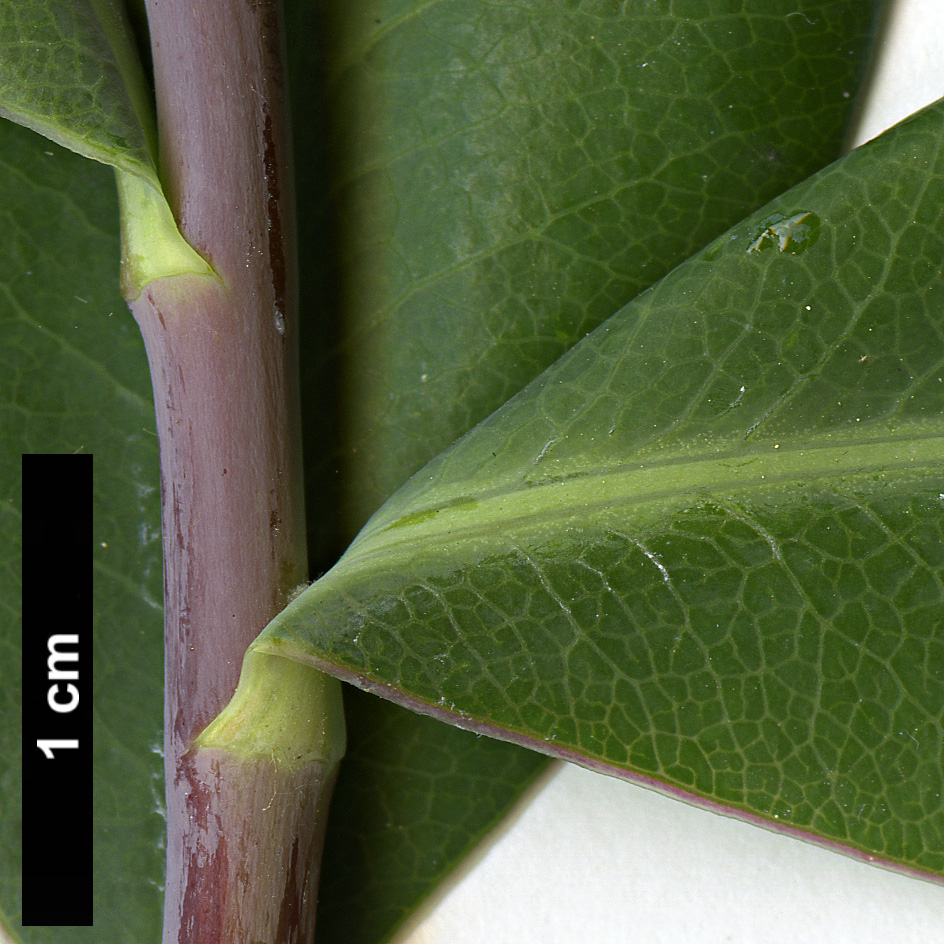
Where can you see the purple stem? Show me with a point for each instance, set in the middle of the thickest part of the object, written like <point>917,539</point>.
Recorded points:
<point>242,829</point>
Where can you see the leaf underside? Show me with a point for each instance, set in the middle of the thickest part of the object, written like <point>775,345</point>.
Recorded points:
<point>504,176</point>
<point>518,171</point>
<point>74,378</point>
<point>415,797</point>
<point>73,381</point>
<point>70,71</point>
<point>705,550</point>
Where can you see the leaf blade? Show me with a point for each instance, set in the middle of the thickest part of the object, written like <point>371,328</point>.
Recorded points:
<point>411,803</point>
<point>584,152</point>
<point>74,377</point>
<point>780,608</point>
<point>71,72</point>
<point>395,118</point>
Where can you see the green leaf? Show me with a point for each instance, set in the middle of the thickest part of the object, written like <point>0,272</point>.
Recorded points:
<point>508,174</point>
<point>69,69</point>
<point>705,550</point>
<point>603,153</point>
<point>32,423</point>
<point>412,801</point>
<point>73,376</point>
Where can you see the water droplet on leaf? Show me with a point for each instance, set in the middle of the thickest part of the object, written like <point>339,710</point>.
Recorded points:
<point>794,234</point>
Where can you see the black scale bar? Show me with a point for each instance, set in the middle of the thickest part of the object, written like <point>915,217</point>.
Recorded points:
<point>57,690</point>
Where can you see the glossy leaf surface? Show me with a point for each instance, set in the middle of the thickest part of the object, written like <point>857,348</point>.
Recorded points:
<point>491,774</point>
<point>706,549</point>
<point>526,141</point>
<point>414,798</point>
<point>73,377</point>
<point>518,171</point>
<point>70,71</point>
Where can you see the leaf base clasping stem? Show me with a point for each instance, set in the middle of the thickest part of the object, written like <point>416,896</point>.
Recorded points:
<point>246,794</point>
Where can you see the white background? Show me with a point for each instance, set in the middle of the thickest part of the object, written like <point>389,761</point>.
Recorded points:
<point>597,860</point>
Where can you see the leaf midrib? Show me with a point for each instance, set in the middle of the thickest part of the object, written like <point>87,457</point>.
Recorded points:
<point>644,489</point>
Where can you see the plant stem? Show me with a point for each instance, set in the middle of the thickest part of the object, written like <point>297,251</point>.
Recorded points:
<point>223,355</point>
